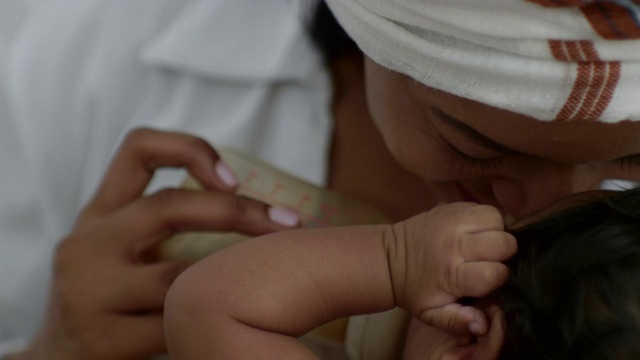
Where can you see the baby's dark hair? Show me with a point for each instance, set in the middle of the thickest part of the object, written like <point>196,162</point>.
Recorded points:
<point>574,290</point>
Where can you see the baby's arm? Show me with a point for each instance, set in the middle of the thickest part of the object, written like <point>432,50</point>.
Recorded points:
<point>252,300</point>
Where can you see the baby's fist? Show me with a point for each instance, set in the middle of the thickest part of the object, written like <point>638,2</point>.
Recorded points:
<point>450,252</point>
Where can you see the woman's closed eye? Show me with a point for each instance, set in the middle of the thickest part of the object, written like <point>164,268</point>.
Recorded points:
<point>470,164</point>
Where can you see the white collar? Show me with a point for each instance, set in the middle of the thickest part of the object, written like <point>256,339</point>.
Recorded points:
<point>237,40</point>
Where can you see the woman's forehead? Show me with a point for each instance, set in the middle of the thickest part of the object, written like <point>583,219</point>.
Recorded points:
<point>567,142</point>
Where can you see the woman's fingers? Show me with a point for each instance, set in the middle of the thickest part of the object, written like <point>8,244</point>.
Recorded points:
<point>132,337</point>
<point>149,220</point>
<point>145,150</point>
<point>141,287</point>
<point>105,293</point>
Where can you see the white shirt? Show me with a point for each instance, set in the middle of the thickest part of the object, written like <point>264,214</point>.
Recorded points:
<point>82,73</point>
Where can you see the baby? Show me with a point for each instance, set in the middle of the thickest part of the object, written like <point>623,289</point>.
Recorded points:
<point>254,299</point>
<point>571,292</point>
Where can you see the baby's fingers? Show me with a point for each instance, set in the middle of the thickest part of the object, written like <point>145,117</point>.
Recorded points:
<point>477,279</point>
<point>457,319</point>
<point>488,246</point>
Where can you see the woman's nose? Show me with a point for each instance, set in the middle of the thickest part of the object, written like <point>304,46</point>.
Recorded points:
<point>526,194</point>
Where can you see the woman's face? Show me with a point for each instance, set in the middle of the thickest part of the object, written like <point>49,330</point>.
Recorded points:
<point>484,154</point>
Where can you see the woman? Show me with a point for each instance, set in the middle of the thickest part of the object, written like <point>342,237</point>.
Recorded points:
<point>483,143</point>
<point>540,109</point>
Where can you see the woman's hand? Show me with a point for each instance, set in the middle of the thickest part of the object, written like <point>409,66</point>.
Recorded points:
<point>107,294</point>
<point>450,252</point>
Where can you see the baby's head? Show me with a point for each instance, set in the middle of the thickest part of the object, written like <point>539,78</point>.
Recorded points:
<point>574,291</point>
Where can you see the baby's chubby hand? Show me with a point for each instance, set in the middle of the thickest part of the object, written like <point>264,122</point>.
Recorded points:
<point>440,256</point>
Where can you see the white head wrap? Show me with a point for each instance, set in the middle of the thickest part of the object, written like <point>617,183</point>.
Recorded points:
<point>554,60</point>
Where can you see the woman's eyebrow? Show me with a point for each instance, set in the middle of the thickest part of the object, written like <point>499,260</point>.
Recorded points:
<point>472,133</point>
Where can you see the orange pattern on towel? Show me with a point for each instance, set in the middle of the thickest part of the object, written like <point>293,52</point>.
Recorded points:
<point>612,21</point>
<point>595,82</point>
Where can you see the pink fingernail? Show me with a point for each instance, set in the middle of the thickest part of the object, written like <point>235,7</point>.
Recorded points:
<point>225,174</point>
<point>476,328</point>
<point>283,216</point>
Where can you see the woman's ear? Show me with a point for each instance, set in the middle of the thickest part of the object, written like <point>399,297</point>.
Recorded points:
<point>486,347</point>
